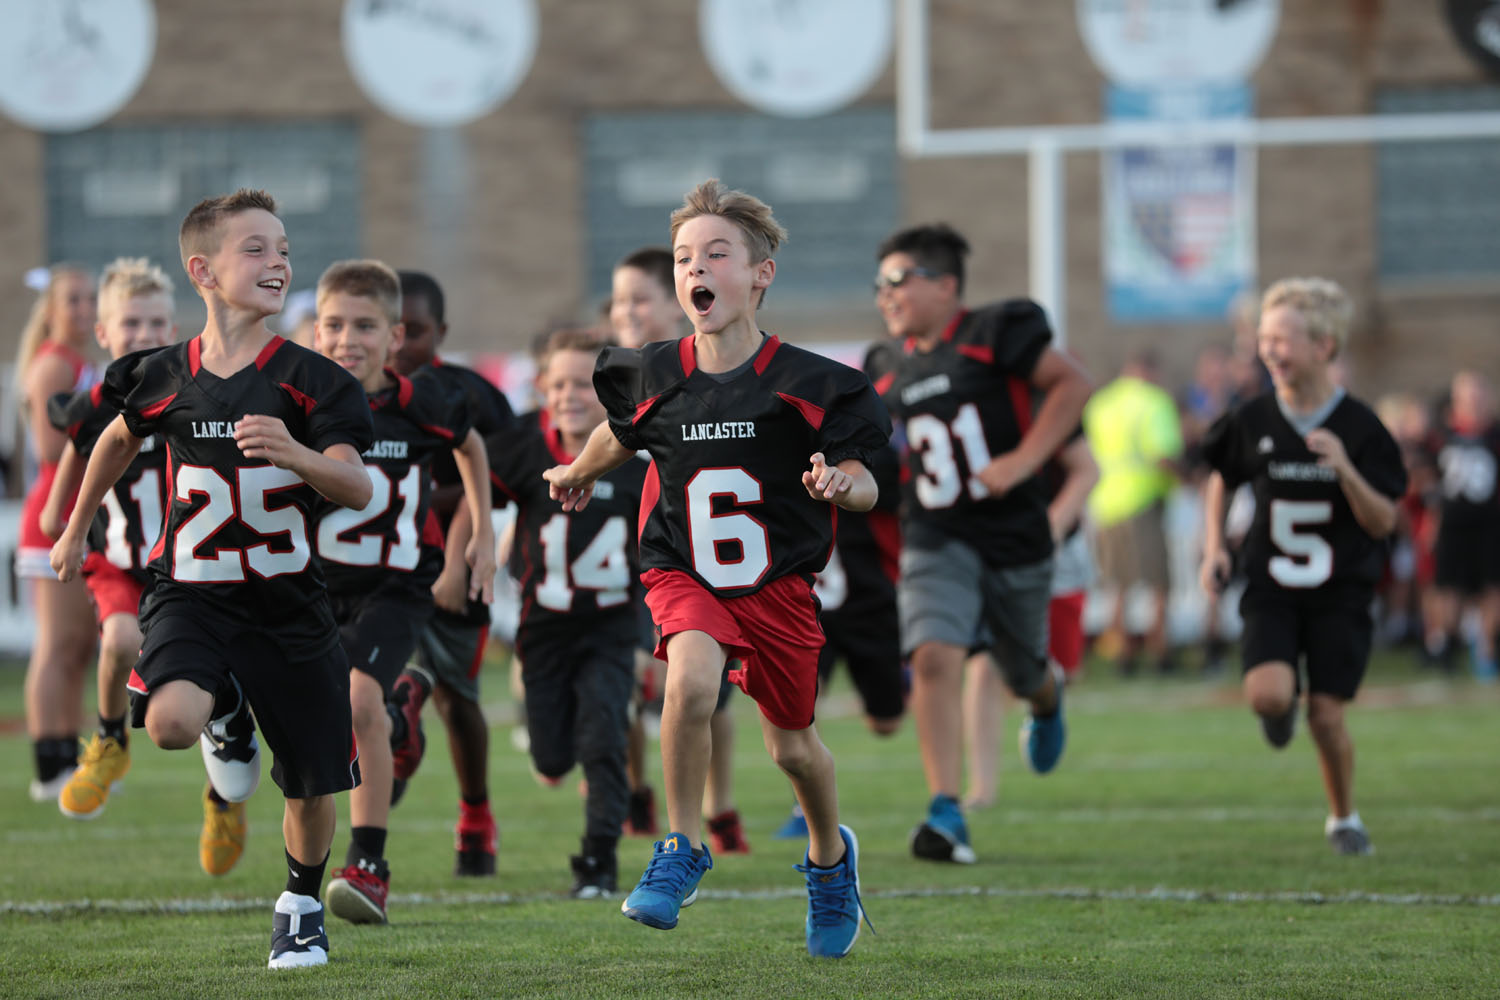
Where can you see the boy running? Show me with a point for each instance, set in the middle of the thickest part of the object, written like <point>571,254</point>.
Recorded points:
<point>729,542</point>
<point>135,313</point>
<point>381,560</point>
<point>977,549</point>
<point>577,572</point>
<point>236,615</point>
<point>1326,476</point>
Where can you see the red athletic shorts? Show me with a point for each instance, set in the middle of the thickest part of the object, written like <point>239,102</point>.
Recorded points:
<point>115,592</point>
<point>1065,630</point>
<point>33,555</point>
<point>774,633</point>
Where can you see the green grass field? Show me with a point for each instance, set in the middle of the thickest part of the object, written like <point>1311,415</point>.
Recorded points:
<point>1171,855</point>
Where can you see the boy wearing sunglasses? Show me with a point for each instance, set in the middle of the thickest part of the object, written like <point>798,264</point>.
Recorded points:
<point>984,401</point>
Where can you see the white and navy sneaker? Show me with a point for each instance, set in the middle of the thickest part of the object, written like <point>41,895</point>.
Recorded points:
<point>1348,836</point>
<point>297,935</point>
<point>231,754</point>
<point>48,791</point>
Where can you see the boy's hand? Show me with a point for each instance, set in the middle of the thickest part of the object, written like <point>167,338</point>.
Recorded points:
<point>1213,575</point>
<point>1329,449</point>
<point>450,590</point>
<point>566,489</point>
<point>1001,474</point>
<point>67,556</point>
<point>263,437</point>
<point>823,481</point>
<point>480,558</point>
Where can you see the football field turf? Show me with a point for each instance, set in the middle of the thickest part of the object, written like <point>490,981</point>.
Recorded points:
<point>1172,854</point>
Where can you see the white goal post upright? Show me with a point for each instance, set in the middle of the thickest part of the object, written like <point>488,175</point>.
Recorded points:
<point>1046,145</point>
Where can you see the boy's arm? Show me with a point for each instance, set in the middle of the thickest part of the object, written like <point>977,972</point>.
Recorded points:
<point>479,552</point>
<point>572,485</point>
<point>1213,574</point>
<point>1375,512</point>
<point>450,590</point>
<point>64,484</point>
<point>848,484</point>
<point>1082,474</point>
<point>1067,388</point>
<point>337,472</point>
<point>113,453</point>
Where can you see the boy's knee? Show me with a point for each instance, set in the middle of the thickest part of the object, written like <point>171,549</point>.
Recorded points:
<point>1325,716</point>
<point>1270,704</point>
<point>170,732</point>
<point>370,718</point>
<point>794,756</point>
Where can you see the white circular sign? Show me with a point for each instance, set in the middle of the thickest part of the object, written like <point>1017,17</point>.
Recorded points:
<point>439,62</point>
<point>66,66</point>
<point>1142,43</point>
<point>796,58</point>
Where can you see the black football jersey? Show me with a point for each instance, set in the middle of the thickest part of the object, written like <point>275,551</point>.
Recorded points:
<point>959,405</point>
<point>415,421</point>
<point>130,516</point>
<point>1467,466</point>
<point>724,499</point>
<point>1304,541</point>
<point>493,419</point>
<point>581,564</point>
<point>238,533</point>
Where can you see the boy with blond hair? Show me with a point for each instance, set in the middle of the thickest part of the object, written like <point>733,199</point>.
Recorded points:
<point>381,559</point>
<point>135,314</point>
<point>236,615</point>
<point>1326,476</point>
<point>734,525</point>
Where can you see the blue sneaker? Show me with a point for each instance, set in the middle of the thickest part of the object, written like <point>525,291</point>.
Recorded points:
<point>1485,668</point>
<point>795,827</point>
<point>297,935</point>
<point>669,883</point>
<point>833,904</point>
<point>944,836</point>
<point>1043,737</point>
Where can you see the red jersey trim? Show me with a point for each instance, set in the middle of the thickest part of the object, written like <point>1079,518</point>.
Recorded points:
<point>686,357</point>
<point>947,335</point>
<point>404,389</point>
<point>155,409</point>
<point>984,355</point>
<point>650,494</point>
<point>301,398</point>
<point>272,346</point>
<point>811,412</point>
<point>644,408</point>
<point>767,351</point>
<point>884,383</point>
<point>553,438</point>
<point>195,355</point>
<point>1020,401</point>
<point>96,394</point>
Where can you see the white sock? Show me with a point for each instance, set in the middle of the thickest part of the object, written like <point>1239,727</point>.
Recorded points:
<point>1349,822</point>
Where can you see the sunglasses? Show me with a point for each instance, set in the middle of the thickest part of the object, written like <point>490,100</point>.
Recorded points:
<point>900,276</point>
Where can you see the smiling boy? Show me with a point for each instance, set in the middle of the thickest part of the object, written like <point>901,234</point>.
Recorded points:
<point>755,443</point>
<point>236,616</point>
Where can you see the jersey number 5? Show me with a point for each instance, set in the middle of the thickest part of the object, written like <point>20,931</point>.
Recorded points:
<point>715,537</point>
<point>1307,559</point>
<point>228,565</point>
<point>939,485</point>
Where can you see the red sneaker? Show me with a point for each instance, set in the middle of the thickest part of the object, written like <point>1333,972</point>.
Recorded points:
<point>727,833</point>
<point>476,842</point>
<point>408,695</point>
<point>358,892</point>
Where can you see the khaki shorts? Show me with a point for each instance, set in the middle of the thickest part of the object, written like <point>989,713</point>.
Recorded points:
<point>1135,550</point>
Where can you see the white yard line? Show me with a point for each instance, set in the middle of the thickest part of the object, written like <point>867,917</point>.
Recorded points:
<point>1159,894</point>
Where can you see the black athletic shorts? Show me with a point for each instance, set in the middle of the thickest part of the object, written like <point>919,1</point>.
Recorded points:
<point>1328,645</point>
<point>379,631</point>
<point>1467,559</point>
<point>870,646</point>
<point>301,707</point>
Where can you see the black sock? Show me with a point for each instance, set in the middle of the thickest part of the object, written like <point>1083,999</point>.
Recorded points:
<point>227,699</point>
<point>114,729</point>
<point>304,879</point>
<point>599,847</point>
<point>398,724</point>
<point>475,801</point>
<point>218,799</point>
<point>54,755</point>
<point>824,868</point>
<point>365,843</point>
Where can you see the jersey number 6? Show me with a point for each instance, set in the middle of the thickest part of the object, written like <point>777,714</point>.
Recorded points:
<point>715,538</point>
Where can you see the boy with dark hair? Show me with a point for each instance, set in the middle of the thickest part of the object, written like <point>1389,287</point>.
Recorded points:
<point>236,615</point>
<point>729,543</point>
<point>577,571</point>
<point>450,648</point>
<point>977,550</point>
<point>381,560</point>
<point>1326,475</point>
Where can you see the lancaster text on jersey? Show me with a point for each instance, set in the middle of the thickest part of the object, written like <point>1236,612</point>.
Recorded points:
<point>718,430</point>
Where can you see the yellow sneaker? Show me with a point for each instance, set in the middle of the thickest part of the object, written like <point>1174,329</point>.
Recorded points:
<point>223,838</point>
<point>103,763</point>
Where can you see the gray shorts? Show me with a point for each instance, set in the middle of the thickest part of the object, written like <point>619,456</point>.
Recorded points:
<point>947,593</point>
<point>452,650</point>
